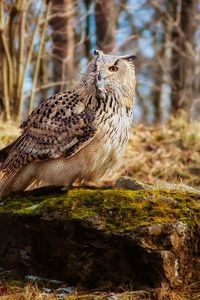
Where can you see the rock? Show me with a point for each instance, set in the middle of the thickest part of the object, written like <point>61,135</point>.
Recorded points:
<point>61,293</point>
<point>128,183</point>
<point>103,239</point>
<point>111,296</point>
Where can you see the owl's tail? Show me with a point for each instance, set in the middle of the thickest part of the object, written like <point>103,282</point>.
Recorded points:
<point>6,179</point>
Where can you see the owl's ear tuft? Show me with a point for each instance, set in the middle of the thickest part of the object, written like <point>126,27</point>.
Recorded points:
<point>97,52</point>
<point>130,58</point>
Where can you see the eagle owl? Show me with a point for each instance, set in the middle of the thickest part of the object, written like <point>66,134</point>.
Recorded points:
<point>74,136</point>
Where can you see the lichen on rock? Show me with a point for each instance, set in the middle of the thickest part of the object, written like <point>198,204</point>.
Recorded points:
<point>103,238</point>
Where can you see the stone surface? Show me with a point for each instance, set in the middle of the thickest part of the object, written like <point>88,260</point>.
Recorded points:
<point>103,239</point>
<point>128,183</point>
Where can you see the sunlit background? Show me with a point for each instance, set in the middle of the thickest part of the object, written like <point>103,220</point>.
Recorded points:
<point>45,45</point>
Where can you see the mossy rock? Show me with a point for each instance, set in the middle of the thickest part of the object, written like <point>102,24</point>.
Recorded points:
<point>114,210</point>
<point>102,238</point>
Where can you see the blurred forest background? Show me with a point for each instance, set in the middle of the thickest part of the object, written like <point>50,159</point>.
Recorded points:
<point>45,44</point>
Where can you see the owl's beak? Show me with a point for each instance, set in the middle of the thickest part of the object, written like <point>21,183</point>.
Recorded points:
<point>100,85</point>
<point>99,77</point>
<point>99,80</point>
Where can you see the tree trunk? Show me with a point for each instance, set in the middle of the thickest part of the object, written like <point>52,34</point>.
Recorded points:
<point>63,41</point>
<point>105,17</point>
<point>182,66</point>
<point>87,41</point>
<point>157,90</point>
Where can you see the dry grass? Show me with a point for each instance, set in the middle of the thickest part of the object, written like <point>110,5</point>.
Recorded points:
<point>164,153</point>
<point>32,292</point>
<point>8,132</point>
<point>28,292</point>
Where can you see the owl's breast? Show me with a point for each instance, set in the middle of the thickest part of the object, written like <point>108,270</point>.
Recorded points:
<point>112,138</point>
<point>119,131</point>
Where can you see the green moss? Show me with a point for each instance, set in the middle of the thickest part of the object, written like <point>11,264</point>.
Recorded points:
<point>114,210</point>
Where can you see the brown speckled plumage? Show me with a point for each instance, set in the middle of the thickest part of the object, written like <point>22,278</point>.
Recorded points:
<point>76,135</point>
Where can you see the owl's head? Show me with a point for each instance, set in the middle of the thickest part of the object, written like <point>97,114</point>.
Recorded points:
<point>111,74</point>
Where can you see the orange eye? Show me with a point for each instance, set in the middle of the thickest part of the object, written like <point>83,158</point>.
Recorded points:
<point>113,69</point>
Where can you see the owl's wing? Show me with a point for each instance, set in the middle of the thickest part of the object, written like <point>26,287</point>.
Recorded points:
<point>59,127</point>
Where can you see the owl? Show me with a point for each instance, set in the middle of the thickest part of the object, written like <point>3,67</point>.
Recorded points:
<point>77,135</point>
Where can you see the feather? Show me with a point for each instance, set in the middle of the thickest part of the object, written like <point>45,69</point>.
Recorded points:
<point>51,133</point>
<point>5,180</point>
<point>5,151</point>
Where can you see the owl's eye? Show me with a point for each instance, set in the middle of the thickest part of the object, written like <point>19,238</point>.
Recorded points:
<point>113,69</point>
